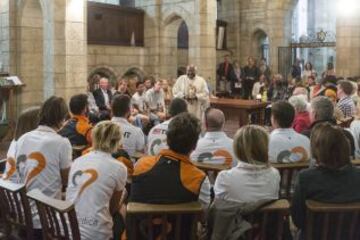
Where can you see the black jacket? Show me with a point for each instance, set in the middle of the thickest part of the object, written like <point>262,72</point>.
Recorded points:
<point>348,135</point>
<point>100,100</point>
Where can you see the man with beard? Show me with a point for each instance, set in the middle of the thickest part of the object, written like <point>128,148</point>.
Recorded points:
<point>194,90</point>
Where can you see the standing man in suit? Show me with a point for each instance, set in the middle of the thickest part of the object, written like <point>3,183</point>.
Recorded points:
<point>225,76</point>
<point>103,98</point>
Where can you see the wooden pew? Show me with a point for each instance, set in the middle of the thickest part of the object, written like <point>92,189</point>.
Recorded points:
<point>15,209</point>
<point>211,168</point>
<point>77,150</point>
<point>57,217</point>
<point>142,220</point>
<point>332,221</point>
<point>273,217</point>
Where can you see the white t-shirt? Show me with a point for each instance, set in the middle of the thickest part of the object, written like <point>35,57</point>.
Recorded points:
<point>138,100</point>
<point>157,139</point>
<point>155,100</point>
<point>93,179</point>
<point>286,146</point>
<point>355,130</point>
<point>247,183</point>
<point>40,156</point>
<point>216,148</point>
<point>134,139</point>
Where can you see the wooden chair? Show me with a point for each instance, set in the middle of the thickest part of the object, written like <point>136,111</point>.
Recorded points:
<point>273,216</point>
<point>210,169</point>
<point>168,218</point>
<point>77,150</point>
<point>288,173</point>
<point>58,218</point>
<point>332,221</point>
<point>15,209</point>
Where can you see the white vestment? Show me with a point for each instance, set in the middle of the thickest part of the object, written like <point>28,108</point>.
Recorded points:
<point>191,88</point>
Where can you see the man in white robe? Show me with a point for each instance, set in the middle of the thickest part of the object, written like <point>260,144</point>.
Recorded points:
<point>194,90</point>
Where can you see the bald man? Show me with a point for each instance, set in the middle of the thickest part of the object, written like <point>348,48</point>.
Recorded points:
<point>194,90</point>
<point>215,147</point>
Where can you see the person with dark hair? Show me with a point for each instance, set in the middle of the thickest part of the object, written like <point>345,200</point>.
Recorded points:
<point>43,157</point>
<point>322,110</point>
<point>157,135</point>
<point>333,180</point>
<point>286,145</point>
<point>251,75</point>
<point>346,103</point>
<point>296,69</point>
<point>170,177</point>
<point>78,128</point>
<point>149,82</point>
<point>133,140</point>
<point>215,146</point>
<point>225,75</point>
<point>278,89</point>
<point>138,99</point>
<point>27,121</point>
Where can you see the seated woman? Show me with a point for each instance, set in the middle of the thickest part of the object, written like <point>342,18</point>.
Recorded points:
<point>27,122</point>
<point>96,182</point>
<point>333,180</point>
<point>245,187</point>
<point>302,117</point>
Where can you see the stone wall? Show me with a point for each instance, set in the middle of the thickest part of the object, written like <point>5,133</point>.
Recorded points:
<point>117,60</point>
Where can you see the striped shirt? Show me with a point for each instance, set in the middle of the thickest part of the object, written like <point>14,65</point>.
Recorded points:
<point>347,106</point>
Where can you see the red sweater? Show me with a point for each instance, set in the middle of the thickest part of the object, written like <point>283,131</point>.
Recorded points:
<point>301,122</point>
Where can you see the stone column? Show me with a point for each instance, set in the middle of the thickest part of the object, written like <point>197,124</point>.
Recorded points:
<point>348,46</point>
<point>202,49</point>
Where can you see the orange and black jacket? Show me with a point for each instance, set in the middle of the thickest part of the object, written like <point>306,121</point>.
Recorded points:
<point>167,178</point>
<point>77,130</point>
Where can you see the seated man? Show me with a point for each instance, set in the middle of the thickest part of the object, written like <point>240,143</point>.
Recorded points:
<point>103,98</point>
<point>155,101</point>
<point>157,135</point>
<point>133,140</point>
<point>286,145</point>
<point>78,128</point>
<point>322,110</point>
<point>346,103</point>
<point>43,157</point>
<point>169,177</point>
<point>215,146</point>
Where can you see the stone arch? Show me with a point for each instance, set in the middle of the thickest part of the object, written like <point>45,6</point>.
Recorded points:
<point>169,40</point>
<point>31,50</point>
<point>102,71</point>
<point>260,44</point>
<point>133,75</point>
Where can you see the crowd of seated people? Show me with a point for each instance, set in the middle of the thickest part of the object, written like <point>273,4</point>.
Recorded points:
<point>303,128</point>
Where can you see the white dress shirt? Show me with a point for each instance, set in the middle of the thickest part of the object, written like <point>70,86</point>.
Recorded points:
<point>106,97</point>
<point>248,183</point>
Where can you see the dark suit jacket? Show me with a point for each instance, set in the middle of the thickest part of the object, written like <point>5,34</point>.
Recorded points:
<point>100,100</point>
<point>221,72</point>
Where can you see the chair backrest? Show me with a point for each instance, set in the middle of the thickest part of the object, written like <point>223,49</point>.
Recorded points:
<point>270,221</point>
<point>288,173</point>
<point>58,218</point>
<point>332,221</point>
<point>15,208</point>
<point>211,170</point>
<point>155,221</point>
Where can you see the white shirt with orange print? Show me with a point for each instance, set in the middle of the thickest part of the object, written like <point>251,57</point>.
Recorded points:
<point>287,146</point>
<point>10,167</point>
<point>40,156</point>
<point>157,139</point>
<point>93,179</point>
<point>214,148</point>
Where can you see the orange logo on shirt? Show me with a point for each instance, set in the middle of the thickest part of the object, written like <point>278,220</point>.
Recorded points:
<point>208,156</point>
<point>93,176</point>
<point>37,156</point>
<point>12,163</point>
<point>297,154</point>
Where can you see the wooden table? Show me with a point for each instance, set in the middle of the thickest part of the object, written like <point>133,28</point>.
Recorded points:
<point>239,110</point>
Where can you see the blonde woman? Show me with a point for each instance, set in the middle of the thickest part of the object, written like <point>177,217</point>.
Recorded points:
<point>253,179</point>
<point>96,183</point>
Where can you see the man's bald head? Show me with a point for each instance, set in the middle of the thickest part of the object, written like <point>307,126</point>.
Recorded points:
<point>214,120</point>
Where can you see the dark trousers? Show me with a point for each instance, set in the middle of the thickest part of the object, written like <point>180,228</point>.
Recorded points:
<point>247,88</point>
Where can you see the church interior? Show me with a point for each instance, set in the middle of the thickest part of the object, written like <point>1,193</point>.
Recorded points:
<point>180,119</point>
